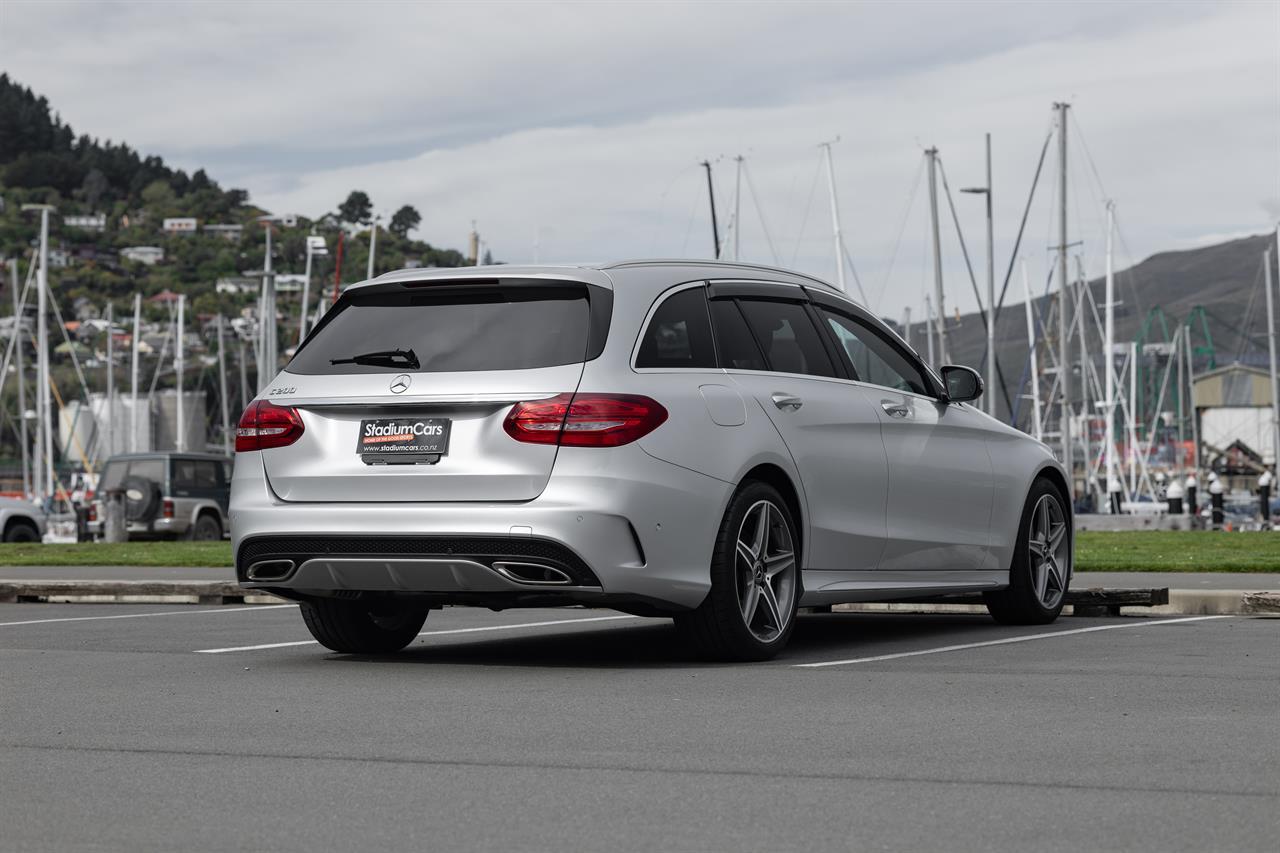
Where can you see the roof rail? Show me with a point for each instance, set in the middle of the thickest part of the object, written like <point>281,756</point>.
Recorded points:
<point>716,263</point>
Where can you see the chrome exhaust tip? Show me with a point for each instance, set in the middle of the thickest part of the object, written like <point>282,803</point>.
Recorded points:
<point>532,573</point>
<point>269,570</point>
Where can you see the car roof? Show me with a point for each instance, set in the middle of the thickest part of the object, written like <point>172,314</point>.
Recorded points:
<point>597,273</point>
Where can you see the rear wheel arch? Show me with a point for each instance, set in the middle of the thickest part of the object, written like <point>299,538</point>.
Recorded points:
<point>774,476</point>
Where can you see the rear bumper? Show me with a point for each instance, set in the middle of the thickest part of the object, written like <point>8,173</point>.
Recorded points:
<point>622,527</point>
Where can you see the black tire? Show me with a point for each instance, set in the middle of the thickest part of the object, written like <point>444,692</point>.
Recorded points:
<point>21,531</point>
<point>358,627</point>
<point>141,498</point>
<point>717,628</point>
<point>206,529</point>
<point>1020,603</point>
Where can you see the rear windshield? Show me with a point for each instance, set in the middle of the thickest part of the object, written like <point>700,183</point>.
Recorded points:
<point>451,329</point>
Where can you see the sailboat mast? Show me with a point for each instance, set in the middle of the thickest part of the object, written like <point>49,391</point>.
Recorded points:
<point>22,381</point>
<point>222,388</point>
<point>1113,482</point>
<point>711,196</point>
<point>1267,258</point>
<point>837,238</point>
<point>1064,377</point>
<point>179,364</point>
<point>111,385</point>
<point>133,373</point>
<point>940,305</point>
<point>1031,343</point>
<point>737,209</point>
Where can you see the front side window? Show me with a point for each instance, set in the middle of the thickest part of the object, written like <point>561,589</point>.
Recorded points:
<point>679,335</point>
<point>790,341</point>
<point>872,358</point>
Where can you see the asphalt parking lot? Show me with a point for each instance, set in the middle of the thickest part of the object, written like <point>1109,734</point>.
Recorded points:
<point>180,727</point>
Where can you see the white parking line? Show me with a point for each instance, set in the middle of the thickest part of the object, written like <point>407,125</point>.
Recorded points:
<point>142,615</point>
<point>1023,639</point>
<point>426,633</point>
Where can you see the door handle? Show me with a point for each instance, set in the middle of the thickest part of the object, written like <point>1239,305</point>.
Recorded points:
<point>787,401</point>
<point>897,410</point>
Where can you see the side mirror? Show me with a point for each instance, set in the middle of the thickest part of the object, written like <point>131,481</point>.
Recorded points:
<point>963,383</point>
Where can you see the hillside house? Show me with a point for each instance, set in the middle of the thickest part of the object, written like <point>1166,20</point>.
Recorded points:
<point>180,225</point>
<point>94,222</point>
<point>149,255</point>
<point>227,231</point>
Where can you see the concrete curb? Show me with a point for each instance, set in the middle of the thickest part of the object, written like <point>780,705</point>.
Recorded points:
<point>1182,602</point>
<point>132,592</point>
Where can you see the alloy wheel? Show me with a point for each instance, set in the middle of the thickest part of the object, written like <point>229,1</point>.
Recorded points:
<point>765,565</point>
<point>1049,551</point>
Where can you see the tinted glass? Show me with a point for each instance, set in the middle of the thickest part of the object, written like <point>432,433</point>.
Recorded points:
<point>195,474</point>
<point>112,476</point>
<point>738,350</point>
<point>679,335</point>
<point>151,470</point>
<point>453,330</point>
<point>789,338</point>
<point>872,358</point>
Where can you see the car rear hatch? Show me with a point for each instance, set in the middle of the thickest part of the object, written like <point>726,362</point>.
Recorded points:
<point>421,419</point>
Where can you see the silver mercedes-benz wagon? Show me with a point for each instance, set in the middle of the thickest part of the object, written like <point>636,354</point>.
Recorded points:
<point>711,442</point>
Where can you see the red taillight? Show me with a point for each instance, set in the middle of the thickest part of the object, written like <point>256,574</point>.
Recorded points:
<point>167,510</point>
<point>265,425</point>
<point>585,420</point>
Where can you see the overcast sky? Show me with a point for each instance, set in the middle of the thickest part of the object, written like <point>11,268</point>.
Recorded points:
<point>574,130</point>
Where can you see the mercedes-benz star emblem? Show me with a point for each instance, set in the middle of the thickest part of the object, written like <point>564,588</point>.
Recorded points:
<point>400,384</point>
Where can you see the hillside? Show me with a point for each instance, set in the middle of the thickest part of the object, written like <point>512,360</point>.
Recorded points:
<point>1221,279</point>
<point>110,198</point>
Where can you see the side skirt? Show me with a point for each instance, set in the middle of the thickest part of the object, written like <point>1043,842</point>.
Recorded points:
<point>824,587</point>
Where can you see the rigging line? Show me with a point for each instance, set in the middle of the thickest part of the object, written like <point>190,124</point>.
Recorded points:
<point>902,228</point>
<point>688,228</point>
<point>849,260</point>
<point>1026,212</point>
<point>804,220</point>
<point>1247,322</point>
<point>755,199</point>
<point>1088,155</point>
<point>662,203</point>
<point>1127,275</point>
<point>964,250</point>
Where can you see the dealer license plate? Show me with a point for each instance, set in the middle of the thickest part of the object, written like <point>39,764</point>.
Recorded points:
<point>391,441</point>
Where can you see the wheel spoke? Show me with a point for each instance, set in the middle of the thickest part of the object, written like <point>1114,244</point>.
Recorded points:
<point>778,563</point>
<point>744,554</point>
<point>751,604</point>
<point>1042,578</point>
<point>771,605</point>
<point>1056,570</point>
<point>1056,536</point>
<point>1037,547</point>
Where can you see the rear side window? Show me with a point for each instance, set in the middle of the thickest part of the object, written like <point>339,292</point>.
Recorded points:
<point>195,474</point>
<point>451,329</point>
<point>788,336</point>
<point>737,348</point>
<point>679,335</point>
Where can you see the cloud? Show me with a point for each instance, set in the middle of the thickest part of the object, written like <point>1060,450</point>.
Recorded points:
<point>578,126</point>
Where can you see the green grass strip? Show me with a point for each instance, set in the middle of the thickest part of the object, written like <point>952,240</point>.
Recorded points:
<point>1096,551</point>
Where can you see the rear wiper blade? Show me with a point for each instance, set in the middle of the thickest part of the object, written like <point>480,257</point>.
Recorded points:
<point>383,358</point>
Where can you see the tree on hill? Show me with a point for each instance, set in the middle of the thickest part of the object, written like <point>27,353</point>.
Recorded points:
<point>357,208</point>
<point>404,220</point>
